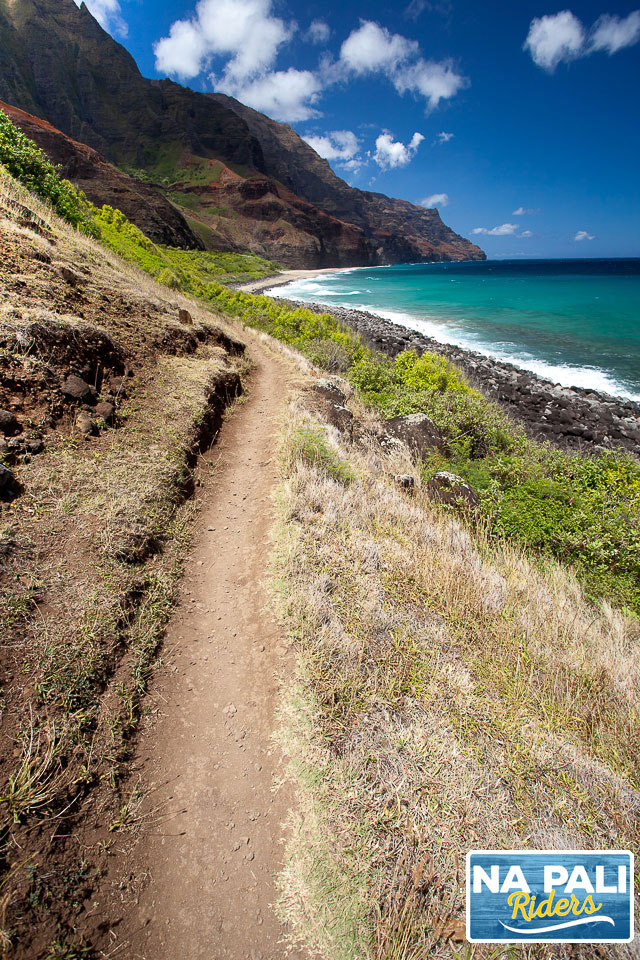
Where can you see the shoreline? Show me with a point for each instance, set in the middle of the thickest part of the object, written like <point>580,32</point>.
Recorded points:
<point>257,287</point>
<point>571,417</point>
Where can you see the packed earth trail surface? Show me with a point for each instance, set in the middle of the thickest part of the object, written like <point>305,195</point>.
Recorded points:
<point>211,847</point>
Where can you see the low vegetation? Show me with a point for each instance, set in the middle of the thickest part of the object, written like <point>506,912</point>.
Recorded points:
<point>31,167</point>
<point>583,510</point>
<point>190,271</point>
<point>450,695</point>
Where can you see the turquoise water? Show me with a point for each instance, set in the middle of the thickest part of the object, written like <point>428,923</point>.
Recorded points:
<point>576,322</point>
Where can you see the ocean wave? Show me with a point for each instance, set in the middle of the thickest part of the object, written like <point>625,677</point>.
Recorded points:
<point>565,374</point>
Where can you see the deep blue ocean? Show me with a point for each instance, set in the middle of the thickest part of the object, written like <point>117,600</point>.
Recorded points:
<point>576,322</point>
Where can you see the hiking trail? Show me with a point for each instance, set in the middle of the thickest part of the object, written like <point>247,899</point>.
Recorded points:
<point>210,856</point>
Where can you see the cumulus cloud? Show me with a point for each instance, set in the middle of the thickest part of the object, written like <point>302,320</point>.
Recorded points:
<point>108,14</point>
<point>392,153</point>
<point>242,30</point>
<point>504,230</point>
<point>612,33</point>
<point>523,212</point>
<point>435,200</point>
<point>444,137</point>
<point>433,81</point>
<point>286,95</point>
<point>583,235</point>
<point>374,49</point>
<point>249,37</point>
<point>555,38</point>
<point>318,32</point>
<point>340,145</point>
<point>526,233</point>
<point>562,37</point>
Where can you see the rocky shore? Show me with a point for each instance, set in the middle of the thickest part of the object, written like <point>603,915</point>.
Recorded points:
<point>567,416</point>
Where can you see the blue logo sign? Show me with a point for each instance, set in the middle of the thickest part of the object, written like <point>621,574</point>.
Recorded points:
<point>561,896</point>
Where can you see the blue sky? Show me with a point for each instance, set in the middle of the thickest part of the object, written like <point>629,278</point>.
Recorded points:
<point>519,119</point>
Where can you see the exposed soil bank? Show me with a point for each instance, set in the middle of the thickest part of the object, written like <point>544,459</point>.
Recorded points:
<point>569,416</point>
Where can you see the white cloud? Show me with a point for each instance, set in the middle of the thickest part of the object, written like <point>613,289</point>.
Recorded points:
<point>555,38</point>
<point>247,35</point>
<point>108,14</point>
<point>435,200</point>
<point>524,212</point>
<point>433,81</point>
<point>339,145</point>
<point>526,233</point>
<point>504,230</point>
<point>445,137</point>
<point>373,49</point>
<point>561,37</point>
<point>318,32</point>
<point>243,30</point>
<point>286,95</point>
<point>393,153</point>
<point>612,33</point>
<point>583,235</point>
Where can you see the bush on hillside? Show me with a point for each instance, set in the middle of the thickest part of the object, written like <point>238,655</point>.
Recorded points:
<point>34,170</point>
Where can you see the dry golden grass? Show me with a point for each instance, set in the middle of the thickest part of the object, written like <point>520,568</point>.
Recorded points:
<point>450,695</point>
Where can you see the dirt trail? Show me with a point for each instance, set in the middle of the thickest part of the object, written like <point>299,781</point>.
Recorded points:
<point>211,868</point>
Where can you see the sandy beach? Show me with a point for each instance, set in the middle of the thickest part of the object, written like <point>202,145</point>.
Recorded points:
<point>287,276</point>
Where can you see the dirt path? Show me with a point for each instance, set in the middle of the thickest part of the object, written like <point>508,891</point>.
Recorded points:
<point>211,868</point>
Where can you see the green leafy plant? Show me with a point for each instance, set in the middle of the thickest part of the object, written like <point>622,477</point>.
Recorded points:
<point>35,171</point>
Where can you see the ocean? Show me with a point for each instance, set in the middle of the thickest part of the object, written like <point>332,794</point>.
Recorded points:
<point>575,322</point>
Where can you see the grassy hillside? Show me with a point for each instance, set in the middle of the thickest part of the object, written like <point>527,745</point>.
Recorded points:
<point>450,695</point>
<point>582,510</point>
<point>187,270</point>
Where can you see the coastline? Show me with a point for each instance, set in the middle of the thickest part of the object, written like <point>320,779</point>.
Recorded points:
<point>280,279</point>
<point>570,417</point>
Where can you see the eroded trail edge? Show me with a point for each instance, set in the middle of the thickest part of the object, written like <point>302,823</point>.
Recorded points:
<point>202,877</point>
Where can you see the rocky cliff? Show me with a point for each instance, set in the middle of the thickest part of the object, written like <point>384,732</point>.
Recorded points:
<point>398,231</point>
<point>239,179</point>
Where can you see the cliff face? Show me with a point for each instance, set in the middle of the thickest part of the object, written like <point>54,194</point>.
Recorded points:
<point>398,231</point>
<point>239,179</point>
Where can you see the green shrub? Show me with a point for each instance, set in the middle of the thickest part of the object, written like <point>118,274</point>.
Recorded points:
<point>331,356</point>
<point>32,168</point>
<point>428,372</point>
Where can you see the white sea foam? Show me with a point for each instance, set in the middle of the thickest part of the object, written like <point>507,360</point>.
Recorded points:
<point>442,331</point>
